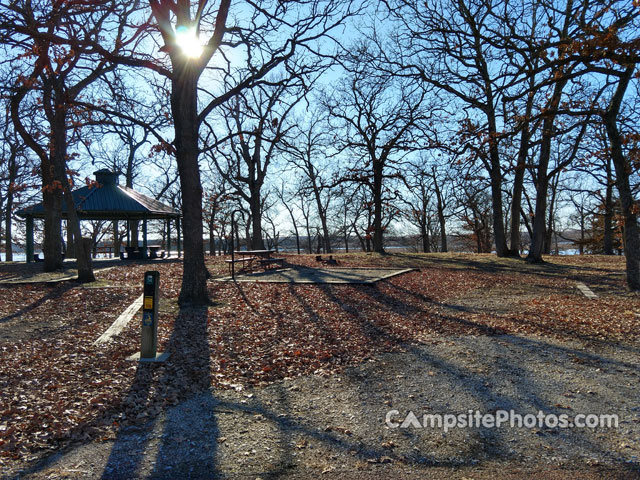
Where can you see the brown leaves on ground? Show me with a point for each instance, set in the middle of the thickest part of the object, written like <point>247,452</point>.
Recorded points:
<point>56,387</point>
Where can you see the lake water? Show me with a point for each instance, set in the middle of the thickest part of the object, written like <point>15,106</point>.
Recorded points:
<point>17,257</point>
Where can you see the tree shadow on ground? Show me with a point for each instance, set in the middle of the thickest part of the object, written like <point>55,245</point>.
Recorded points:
<point>197,424</point>
<point>55,293</point>
<point>479,387</point>
<point>187,371</point>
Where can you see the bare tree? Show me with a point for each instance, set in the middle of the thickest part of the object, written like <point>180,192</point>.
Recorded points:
<point>15,169</point>
<point>256,124</point>
<point>378,118</point>
<point>61,40</point>
<point>269,38</point>
<point>308,153</point>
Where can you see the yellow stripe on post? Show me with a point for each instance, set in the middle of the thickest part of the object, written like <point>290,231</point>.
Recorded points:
<point>148,303</point>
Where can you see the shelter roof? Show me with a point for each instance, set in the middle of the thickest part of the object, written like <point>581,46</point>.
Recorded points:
<point>106,200</point>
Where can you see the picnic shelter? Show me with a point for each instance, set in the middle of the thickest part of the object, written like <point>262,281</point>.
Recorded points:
<point>105,199</point>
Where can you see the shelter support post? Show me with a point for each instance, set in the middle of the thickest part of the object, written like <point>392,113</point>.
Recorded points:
<point>116,240</point>
<point>179,238</point>
<point>168,237</point>
<point>29,239</point>
<point>144,238</point>
<point>70,251</point>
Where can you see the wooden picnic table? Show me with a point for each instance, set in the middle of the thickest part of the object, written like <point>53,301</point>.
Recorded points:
<point>251,258</point>
<point>155,251</point>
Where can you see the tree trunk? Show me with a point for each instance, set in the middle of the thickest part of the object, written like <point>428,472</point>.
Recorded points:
<point>322,213</point>
<point>441,219</point>
<point>542,184</point>
<point>52,203</point>
<point>377,207</point>
<point>8,247</point>
<point>495,173</point>
<point>308,229</point>
<point>424,234</point>
<point>363,247</point>
<point>499,236</point>
<point>518,181</point>
<point>184,108</point>
<point>135,232</point>
<point>516,200</point>
<point>212,237</point>
<point>257,243</point>
<point>548,239</point>
<point>58,157</point>
<point>623,172</point>
<point>608,214</point>
<point>70,251</point>
<point>12,168</point>
<point>539,219</point>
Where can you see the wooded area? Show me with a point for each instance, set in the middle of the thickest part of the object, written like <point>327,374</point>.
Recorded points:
<point>504,124</point>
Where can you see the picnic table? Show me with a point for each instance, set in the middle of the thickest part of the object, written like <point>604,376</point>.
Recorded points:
<point>251,259</point>
<point>155,251</point>
<point>141,252</point>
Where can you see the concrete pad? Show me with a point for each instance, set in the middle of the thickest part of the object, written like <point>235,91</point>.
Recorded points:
<point>159,358</point>
<point>341,275</point>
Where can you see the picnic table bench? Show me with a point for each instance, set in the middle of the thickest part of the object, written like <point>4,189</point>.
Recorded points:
<point>268,262</point>
<point>247,262</point>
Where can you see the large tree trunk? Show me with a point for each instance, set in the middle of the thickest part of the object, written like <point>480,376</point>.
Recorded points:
<point>257,242</point>
<point>185,114</point>
<point>377,207</point>
<point>58,158</point>
<point>499,236</point>
<point>539,220</point>
<point>322,213</point>
<point>623,172</point>
<point>52,203</point>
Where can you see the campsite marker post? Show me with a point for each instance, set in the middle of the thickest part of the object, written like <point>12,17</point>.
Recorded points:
<point>149,341</point>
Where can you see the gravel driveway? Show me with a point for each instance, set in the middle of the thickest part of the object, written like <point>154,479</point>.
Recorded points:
<point>334,426</point>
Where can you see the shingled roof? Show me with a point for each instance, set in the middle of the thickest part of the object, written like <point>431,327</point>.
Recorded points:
<point>106,200</point>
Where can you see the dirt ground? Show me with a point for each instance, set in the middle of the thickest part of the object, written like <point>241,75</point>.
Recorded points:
<point>297,381</point>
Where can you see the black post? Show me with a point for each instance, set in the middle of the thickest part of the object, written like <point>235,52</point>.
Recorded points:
<point>234,231</point>
<point>233,264</point>
<point>150,315</point>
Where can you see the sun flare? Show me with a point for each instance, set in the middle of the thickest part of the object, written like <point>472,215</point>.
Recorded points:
<point>188,41</point>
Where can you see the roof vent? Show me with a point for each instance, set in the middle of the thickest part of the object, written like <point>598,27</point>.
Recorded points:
<point>106,177</point>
